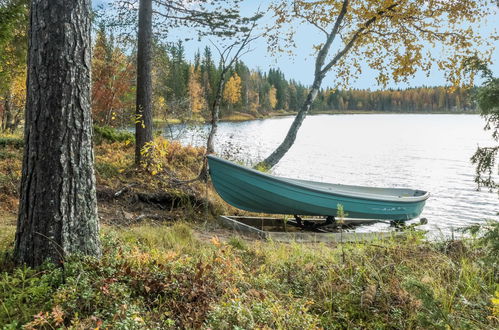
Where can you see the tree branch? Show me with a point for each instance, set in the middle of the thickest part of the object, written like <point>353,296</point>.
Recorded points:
<point>356,36</point>
<point>308,19</point>
<point>321,56</point>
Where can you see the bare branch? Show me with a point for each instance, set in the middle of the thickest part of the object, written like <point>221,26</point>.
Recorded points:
<point>308,19</point>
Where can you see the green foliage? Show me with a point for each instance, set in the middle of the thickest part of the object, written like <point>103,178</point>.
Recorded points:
<point>107,170</point>
<point>110,134</point>
<point>487,97</point>
<point>488,238</point>
<point>24,292</point>
<point>16,142</point>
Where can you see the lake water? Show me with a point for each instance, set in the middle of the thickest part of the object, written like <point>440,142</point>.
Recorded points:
<point>429,152</point>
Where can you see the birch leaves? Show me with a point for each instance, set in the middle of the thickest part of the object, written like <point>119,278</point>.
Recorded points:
<point>396,38</point>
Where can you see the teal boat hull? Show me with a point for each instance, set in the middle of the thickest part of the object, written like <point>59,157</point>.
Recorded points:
<point>254,191</point>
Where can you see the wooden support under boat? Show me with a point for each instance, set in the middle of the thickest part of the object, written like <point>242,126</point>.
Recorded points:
<point>275,229</point>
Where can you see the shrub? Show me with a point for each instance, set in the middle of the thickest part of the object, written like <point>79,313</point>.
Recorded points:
<point>110,134</point>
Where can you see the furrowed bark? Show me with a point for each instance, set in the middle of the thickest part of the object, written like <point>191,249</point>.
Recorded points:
<point>58,208</point>
<point>143,120</point>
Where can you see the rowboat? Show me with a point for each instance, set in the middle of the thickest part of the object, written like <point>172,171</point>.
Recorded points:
<point>255,191</point>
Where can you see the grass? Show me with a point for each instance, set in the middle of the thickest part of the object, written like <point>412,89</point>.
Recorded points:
<point>162,121</point>
<point>175,275</point>
<point>165,277</point>
<point>11,140</point>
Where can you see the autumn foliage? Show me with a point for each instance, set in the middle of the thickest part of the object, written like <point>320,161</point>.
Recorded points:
<point>13,48</point>
<point>232,91</point>
<point>196,91</point>
<point>113,79</point>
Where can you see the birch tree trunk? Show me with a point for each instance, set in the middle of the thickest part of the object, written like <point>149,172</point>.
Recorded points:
<point>215,114</point>
<point>290,138</point>
<point>321,69</point>
<point>143,124</point>
<point>58,209</point>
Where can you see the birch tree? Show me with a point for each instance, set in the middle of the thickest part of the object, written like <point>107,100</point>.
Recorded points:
<point>232,92</point>
<point>396,38</point>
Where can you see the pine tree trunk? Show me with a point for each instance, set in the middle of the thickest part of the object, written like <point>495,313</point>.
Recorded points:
<point>290,138</point>
<point>143,125</point>
<point>58,209</point>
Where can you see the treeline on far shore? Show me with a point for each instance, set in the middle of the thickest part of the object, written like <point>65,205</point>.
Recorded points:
<point>185,90</point>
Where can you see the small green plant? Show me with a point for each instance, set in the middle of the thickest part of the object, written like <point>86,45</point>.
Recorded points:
<point>340,214</point>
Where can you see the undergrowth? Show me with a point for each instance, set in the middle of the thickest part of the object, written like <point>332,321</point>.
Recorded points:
<point>164,277</point>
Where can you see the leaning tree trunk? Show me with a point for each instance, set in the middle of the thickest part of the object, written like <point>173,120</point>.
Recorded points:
<point>320,73</point>
<point>143,121</point>
<point>58,209</point>
<point>290,138</point>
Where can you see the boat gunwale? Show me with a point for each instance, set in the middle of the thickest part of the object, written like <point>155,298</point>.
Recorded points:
<point>389,198</point>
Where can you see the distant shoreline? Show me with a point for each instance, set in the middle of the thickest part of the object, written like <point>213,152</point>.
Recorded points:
<point>240,117</point>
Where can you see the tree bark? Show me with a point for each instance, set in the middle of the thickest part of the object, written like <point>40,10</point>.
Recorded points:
<point>143,124</point>
<point>58,209</point>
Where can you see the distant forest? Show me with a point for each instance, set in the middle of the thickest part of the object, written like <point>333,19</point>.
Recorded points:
<point>184,90</point>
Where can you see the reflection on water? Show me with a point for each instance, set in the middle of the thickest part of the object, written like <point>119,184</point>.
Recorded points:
<point>428,152</point>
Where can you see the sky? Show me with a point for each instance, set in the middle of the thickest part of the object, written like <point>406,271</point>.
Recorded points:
<point>300,66</point>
